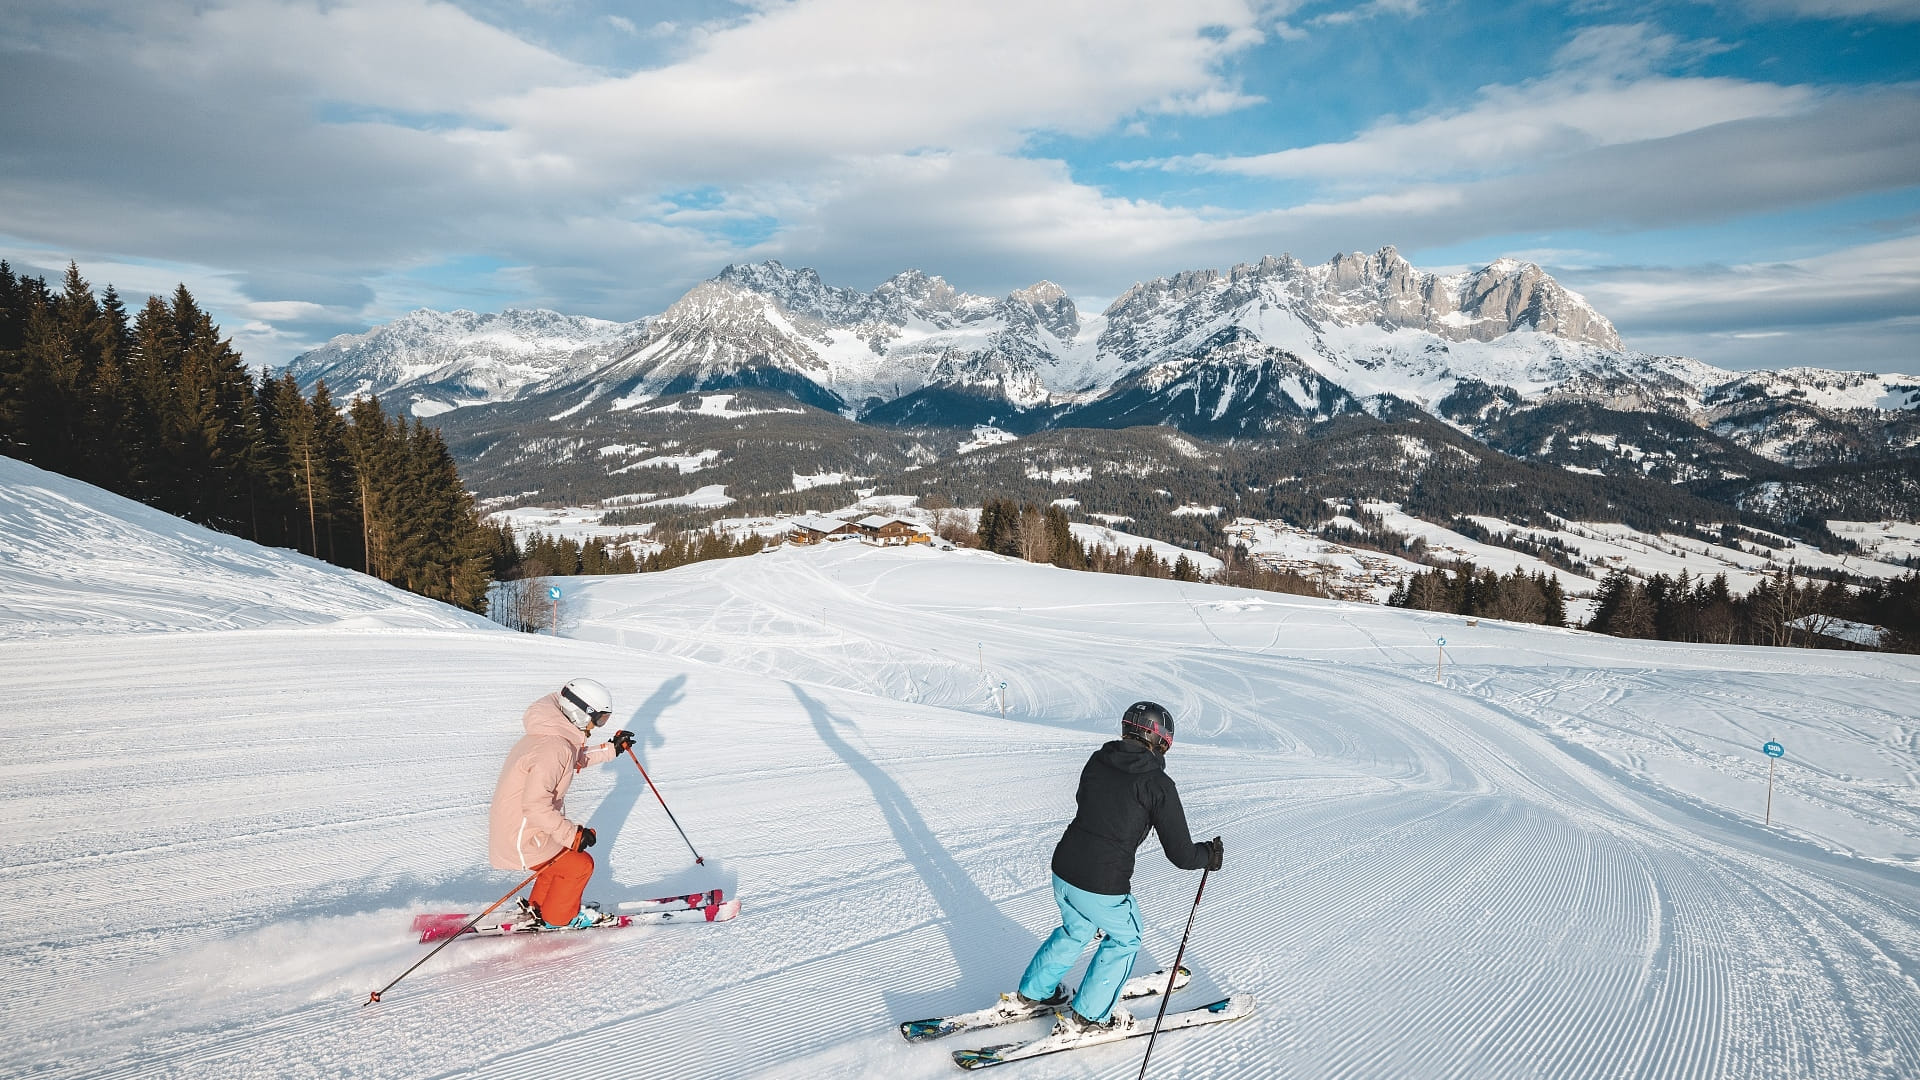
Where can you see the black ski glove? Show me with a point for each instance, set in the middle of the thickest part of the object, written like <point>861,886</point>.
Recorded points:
<point>584,839</point>
<point>1216,848</point>
<point>621,742</point>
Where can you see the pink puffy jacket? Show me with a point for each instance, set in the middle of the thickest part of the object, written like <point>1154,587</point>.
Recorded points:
<point>528,824</point>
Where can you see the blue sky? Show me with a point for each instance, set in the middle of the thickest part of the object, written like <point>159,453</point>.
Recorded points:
<point>1735,180</point>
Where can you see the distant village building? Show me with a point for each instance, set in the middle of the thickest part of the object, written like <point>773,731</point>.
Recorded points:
<point>817,529</point>
<point>892,531</point>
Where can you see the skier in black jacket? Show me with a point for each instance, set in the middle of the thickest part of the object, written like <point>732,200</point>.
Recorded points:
<point>1124,791</point>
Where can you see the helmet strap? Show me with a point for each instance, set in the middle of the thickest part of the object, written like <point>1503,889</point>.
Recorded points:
<point>583,707</point>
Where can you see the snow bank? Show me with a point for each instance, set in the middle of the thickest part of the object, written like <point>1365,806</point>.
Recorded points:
<point>76,560</point>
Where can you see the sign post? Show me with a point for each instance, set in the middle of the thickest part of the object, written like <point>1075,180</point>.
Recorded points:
<point>1774,752</point>
<point>1441,660</point>
<point>553,594</point>
<point>1003,701</point>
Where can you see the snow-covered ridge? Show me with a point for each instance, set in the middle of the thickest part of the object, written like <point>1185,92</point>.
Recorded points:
<point>441,360</point>
<point>1385,290</point>
<point>78,560</point>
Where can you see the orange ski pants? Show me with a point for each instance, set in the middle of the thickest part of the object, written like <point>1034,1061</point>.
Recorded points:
<point>559,886</point>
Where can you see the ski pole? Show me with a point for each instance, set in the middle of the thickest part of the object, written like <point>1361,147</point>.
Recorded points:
<point>697,860</point>
<point>451,938</point>
<point>1177,957</point>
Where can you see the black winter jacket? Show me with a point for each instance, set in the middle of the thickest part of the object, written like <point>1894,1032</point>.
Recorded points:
<point>1124,791</point>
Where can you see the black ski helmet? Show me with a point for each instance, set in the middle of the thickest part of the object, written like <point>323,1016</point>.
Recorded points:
<point>1150,723</point>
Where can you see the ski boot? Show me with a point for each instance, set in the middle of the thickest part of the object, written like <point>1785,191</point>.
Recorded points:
<point>525,916</point>
<point>1016,1005</point>
<point>590,915</point>
<point>1069,1024</point>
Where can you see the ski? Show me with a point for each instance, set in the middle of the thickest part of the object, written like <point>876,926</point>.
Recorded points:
<point>1231,1008</point>
<point>716,913</point>
<point>693,907</point>
<point>938,1027</point>
<point>690,900</point>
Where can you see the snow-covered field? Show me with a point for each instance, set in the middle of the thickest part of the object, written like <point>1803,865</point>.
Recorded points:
<point>577,523</point>
<point>1101,536</point>
<point>219,813</point>
<point>1599,546</point>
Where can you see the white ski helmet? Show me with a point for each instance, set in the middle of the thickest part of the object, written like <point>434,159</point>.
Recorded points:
<point>586,703</point>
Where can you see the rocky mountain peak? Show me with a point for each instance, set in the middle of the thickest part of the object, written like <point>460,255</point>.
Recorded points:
<point>1144,296</point>
<point>914,293</point>
<point>799,290</point>
<point>1508,294</point>
<point>1049,305</point>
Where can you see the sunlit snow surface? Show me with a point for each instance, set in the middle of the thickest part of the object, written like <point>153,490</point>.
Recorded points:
<point>1548,862</point>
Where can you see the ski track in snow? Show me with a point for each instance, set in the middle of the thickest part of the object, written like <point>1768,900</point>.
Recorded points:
<point>1547,863</point>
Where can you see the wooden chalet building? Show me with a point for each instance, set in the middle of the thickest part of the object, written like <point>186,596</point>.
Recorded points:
<point>891,531</point>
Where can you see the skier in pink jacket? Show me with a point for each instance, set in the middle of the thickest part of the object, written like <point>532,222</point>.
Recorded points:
<point>528,828</point>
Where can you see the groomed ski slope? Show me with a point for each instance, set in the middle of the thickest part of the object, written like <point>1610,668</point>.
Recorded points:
<point>1548,863</point>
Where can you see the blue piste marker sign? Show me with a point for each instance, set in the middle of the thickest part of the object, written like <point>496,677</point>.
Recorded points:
<point>553,593</point>
<point>1774,752</point>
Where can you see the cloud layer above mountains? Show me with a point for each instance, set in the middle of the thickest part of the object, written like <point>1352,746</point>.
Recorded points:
<point>312,168</point>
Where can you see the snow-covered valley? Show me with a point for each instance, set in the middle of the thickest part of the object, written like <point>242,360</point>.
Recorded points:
<point>1533,853</point>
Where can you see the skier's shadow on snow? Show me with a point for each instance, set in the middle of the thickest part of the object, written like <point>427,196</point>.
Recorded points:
<point>990,948</point>
<point>663,846</point>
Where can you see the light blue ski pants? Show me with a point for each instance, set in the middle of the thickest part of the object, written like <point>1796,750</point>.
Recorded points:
<point>1081,914</point>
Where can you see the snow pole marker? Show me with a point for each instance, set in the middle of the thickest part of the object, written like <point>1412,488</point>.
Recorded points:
<point>1441,644</point>
<point>1774,752</point>
<point>455,936</point>
<point>1003,700</point>
<point>553,594</point>
<point>697,860</point>
<point>1177,957</point>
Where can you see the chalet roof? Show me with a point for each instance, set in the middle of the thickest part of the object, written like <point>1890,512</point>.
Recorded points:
<point>875,521</point>
<point>820,523</point>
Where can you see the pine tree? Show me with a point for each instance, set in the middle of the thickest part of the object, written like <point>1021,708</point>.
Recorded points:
<point>117,418</point>
<point>377,456</point>
<point>1555,600</point>
<point>1063,549</point>
<point>58,368</point>
<point>207,416</point>
<point>334,482</point>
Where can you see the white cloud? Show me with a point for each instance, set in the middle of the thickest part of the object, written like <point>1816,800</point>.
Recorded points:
<point>1600,95</point>
<point>1863,283</point>
<point>407,55</point>
<point>1371,10</point>
<point>1001,222</point>
<point>1892,10</point>
<point>803,84</point>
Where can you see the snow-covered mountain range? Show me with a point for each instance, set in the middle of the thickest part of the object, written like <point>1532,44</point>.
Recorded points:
<point>1238,352</point>
<point>436,361</point>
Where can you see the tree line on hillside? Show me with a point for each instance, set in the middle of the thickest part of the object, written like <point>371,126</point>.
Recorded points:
<point>1484,593</point>
<point>561,556</point>
<point>520,600</point>
<point>1044,535</point>
<point>1780,610</point>
<point>160,408</point>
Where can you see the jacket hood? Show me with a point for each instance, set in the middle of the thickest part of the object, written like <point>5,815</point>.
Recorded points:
<point>1129,756</point>
<point>544,717</point>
